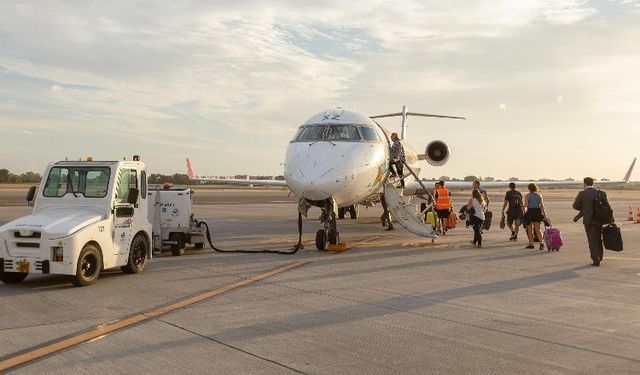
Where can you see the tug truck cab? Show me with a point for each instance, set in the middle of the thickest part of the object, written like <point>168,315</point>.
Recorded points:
<point>88,216</point>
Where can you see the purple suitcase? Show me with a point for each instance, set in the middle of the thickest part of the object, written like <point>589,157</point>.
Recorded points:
<point>552,238</point>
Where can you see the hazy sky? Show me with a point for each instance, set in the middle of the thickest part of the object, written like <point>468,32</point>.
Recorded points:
<point>550,88</point>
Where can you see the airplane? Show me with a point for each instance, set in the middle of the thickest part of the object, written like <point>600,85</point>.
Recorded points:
<point>339,158</point>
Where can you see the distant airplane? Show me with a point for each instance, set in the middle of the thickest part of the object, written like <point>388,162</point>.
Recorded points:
<point>338,159</point>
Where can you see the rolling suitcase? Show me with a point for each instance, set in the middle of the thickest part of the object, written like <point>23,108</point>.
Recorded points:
<point>552,238</point>
<point>612,238</point>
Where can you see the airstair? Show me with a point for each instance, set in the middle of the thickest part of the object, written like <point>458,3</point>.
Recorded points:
<point>409,211</point>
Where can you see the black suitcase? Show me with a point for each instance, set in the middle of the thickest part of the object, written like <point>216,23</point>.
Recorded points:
<point>487,220</point>
<point>612,237</point>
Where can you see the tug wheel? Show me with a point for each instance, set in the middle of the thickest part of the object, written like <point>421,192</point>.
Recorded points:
<point>88,267</point>
<point>12,277</point>
<point>137,255</point>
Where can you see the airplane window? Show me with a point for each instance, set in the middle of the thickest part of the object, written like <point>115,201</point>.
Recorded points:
<point>311,133</point>
<point>295,137</point>
<point>343,133</point>
<point>369,134</point>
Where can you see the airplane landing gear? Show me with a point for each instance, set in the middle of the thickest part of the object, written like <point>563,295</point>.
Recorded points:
<point>351,210</point>
<point>330,234</point>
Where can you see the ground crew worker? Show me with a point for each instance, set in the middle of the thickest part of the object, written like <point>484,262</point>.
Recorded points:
<point>443,206</point>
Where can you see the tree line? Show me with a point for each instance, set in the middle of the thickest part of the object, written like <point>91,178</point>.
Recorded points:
<point>7,177</point>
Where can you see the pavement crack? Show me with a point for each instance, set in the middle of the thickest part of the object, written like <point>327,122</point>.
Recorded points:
<point>233,347</point>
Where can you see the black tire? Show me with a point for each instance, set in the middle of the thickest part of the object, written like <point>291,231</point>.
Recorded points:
<point>12,277</point>
<point>353,210</point>
<point>88,267</point>
<point>321,243</point>
<point>341,212</point>
<point>334,237</point>
<point>198,245</point>
<point>178,249</point>
<point>138,255</point>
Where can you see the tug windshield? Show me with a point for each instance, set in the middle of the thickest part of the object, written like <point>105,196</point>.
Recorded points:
<point>91,182</point>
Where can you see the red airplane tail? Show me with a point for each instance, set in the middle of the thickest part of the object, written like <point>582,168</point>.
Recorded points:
<point>190,171</point>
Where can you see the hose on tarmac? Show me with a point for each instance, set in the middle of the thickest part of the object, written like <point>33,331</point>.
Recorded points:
<point>293,250</point>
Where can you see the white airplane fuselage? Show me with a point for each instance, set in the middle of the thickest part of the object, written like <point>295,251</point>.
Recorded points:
<point>337,154</point>
<point>348,172</point>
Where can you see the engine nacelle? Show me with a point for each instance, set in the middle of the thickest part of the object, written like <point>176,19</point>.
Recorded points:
<point>436,153</point>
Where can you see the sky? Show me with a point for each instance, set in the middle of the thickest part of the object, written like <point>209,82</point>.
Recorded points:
<point>550,88</point>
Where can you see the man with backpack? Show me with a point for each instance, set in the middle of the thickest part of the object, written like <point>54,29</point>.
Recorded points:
<point>595,212</point>
<point>512,207</point>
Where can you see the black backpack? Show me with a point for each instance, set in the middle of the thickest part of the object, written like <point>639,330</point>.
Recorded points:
<point>515,200</point>
<point>602,211</point>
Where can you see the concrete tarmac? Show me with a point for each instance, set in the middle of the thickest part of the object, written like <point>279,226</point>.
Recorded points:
<point>394,303</point>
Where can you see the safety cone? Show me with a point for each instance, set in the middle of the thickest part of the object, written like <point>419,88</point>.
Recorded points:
<point>630,215</point>
<point>638,221</point>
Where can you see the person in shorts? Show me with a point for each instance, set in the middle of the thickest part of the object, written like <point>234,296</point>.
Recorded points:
<point>512,209</point>
<point>534,214</point>
<point>443,206</point>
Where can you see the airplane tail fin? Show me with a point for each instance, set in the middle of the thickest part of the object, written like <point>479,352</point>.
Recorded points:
<point>190,171</point>
<point>628,175</point>
<point>405,113</point>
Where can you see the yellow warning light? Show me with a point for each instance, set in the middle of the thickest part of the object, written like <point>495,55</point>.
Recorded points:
<point>89,158</point>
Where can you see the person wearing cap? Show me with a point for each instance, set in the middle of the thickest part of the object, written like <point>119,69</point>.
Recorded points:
<point>513,210</point>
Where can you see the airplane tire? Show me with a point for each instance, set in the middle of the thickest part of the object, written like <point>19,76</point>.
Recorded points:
<point>334,237</point>
<point>12,277</point>
<point>341,212</point>
<point>137,255</point>
<point>353,210</point>
<point>89,266</point>
<point>198,245</point>
<point>321,244</point>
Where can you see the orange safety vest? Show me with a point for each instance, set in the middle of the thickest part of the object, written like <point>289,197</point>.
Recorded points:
<point>444,199</point>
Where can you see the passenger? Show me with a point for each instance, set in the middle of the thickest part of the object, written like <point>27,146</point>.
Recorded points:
<point>584,202</point>
<point>512,207</point>
<point>397,158</point>
<point>534,214</point>
<point>485,196</point>
<point>443,205</point>
<point>475,210</point>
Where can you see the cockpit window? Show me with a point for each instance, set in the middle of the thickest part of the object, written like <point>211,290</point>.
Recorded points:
<point>369,134</point>
<point>335,132</point>
<point>311,133</point>
<point>343,133</point>
<point>295,137</point>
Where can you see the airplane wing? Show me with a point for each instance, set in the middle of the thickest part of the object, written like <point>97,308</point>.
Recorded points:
<point>414,186</point>
<point>232,181</point>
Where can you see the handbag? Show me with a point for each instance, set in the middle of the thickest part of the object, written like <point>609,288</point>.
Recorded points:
<point>612,238</point>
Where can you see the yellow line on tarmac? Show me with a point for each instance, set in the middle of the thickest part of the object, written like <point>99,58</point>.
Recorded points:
<point>106,328</point>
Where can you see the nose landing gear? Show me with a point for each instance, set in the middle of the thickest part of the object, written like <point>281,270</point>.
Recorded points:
<point>330,234</point>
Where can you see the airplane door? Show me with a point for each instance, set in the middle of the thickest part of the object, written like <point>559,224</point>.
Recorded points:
<point>126,215</point>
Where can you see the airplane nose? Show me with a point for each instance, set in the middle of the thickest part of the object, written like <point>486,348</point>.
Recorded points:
<point>313,180</point>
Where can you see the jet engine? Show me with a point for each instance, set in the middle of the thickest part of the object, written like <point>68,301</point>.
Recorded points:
<point>436,153</point>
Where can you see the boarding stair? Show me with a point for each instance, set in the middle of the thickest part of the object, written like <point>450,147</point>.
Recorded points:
<point>410,211</point>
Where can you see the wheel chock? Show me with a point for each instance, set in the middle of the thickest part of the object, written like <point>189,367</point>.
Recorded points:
<point>337,248</point>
